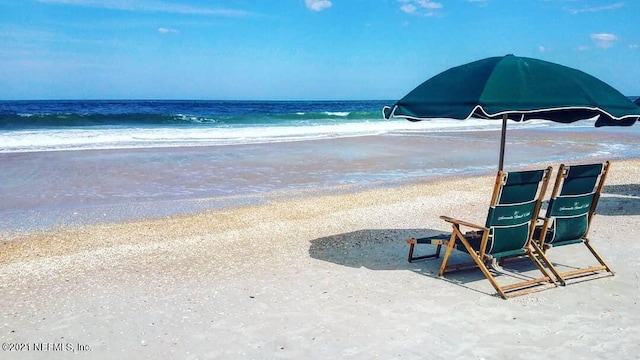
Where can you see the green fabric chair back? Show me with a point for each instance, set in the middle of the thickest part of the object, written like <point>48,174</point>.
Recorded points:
<point>511,214</point>
<point>570,211</point>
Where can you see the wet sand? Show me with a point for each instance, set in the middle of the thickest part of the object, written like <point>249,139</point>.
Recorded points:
<point>44,190</point>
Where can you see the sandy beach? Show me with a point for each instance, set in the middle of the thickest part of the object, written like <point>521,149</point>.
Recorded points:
<point>313,278</point>
<point>243,179</point>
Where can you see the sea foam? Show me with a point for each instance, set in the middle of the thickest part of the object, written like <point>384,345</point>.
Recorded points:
<point>123,137</point>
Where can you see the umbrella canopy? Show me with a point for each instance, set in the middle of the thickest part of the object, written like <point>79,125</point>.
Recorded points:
<point>516,88</point>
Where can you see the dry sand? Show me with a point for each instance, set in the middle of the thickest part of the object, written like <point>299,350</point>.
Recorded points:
<point>313,278</point>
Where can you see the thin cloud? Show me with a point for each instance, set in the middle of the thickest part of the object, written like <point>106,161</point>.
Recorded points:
<point>30,37</point>
<point>317,5</point>
<point>20,34</point>
<point>168,31</point>
<point>150,6</point>
<point>609,7</point>
<point>604,40</point>
<point>420,7</point>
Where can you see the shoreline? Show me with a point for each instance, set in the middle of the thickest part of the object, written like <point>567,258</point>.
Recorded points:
<point>315,277</point>
<point>58,241</point>
<point>44,190</point>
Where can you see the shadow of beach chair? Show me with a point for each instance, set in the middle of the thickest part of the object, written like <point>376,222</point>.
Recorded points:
<point>571,207</point>
<point>507,233</point>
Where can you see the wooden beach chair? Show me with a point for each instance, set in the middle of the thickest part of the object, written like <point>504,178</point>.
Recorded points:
<point>568,216</point>
<point>507,232</point>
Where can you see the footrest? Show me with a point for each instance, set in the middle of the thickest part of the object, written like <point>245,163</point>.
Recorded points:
<point>437,240</point>
<point>433,240</point>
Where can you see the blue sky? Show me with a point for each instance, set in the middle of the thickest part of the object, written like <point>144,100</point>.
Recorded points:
<point>296,49</point>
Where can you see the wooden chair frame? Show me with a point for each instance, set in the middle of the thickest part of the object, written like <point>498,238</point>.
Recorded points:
<point>481,257</point>
<point>547,222</point>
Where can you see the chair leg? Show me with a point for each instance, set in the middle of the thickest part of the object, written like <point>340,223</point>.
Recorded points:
<point>411,246</point>
<point>450,244</point>
<point>546,260</point>
<point>541,268</point>
<point>597,256</point>
<point>590,269</point>
<point>519,288</point>
<point>480,263</point>
<point>490,277</point>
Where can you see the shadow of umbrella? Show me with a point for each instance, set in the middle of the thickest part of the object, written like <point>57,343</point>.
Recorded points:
<point>619,200</point>
<point>374,249</point>
<point>386,249</point>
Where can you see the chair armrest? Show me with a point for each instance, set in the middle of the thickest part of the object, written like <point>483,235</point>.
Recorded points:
<point>463,223</point>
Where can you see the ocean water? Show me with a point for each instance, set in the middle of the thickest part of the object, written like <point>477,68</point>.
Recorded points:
<point>28,126</point>
<point>77,162</point>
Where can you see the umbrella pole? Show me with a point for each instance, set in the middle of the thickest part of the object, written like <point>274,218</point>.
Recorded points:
<point>502,141</point>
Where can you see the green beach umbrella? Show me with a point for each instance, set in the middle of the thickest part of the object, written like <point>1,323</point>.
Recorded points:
<point>516,88</point>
